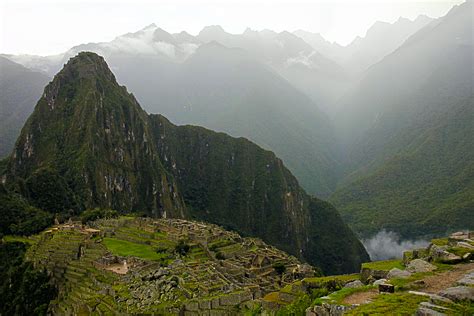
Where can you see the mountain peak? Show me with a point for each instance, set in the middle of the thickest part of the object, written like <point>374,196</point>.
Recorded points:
<point>86,65</point>
<point>160,35</point>
<point>212,29</point>
<point>150,26</point>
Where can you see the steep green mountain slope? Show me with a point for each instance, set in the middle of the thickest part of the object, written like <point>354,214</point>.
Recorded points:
<point>237,84</point>
<point>427,75</point>
<point>410,153</point>
<point>426,188</point>
<point>231,91</point>
<point>88,143</point>
<point>20,90</point>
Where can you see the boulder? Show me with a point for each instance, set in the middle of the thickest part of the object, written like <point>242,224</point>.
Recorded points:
<point>424,311</point>
<point>354,284</point>
<point>397,273</point>
<point>449,258</point>
<point>380,281</point>
<point>437,299</point>
<point>328,310</point>
<point>467,280</point>
<point>367,274</point>
<point>440,254</point>
<point>460,235</point>
<point>418,265</point>
<point>435,252</point>
<point>458,293</point>
<point>466,245</point>
<point>429,309</point>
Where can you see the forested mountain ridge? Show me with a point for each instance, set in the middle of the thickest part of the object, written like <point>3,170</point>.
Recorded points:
<point>408,140</point>
<point>424,189</point>
<point>273,88</point>
<point>89,144</point>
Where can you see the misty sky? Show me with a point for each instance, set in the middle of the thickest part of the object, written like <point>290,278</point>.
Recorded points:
<point>50,27</point>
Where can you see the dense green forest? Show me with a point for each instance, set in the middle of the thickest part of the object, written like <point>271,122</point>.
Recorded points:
<point>24,290</point>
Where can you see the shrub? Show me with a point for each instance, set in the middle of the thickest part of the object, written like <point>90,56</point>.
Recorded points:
<point>94,214</point>
<point>161,249</point>
<point>19,217</point>
<point>220,256</point>
<point>279,267</point>
<point>182,248</point>
<point>49,191</point>
<point>24,290</point>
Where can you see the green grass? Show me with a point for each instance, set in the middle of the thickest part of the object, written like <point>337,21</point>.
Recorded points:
<point>386,265</point>
<point>126,248</point>
<point>390,304</point>
<point>338,296</point>
<point>459,251</point>
<point>11,238</point>
<point>440,241</point>
<point>464,308</point>
<point>342,277</point>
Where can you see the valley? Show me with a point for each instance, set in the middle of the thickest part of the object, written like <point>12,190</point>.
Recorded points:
<point>197,169</point>
<point>382,151</point>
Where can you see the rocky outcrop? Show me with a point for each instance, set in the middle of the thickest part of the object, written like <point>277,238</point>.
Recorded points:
<point>419,266</point>
<point>354,284</point>
<point>367,274</point>
<point>397,273</point>
<point>428,309</point>
<point>459,293</point>
<point>467,280</point>
<point>328,310</point>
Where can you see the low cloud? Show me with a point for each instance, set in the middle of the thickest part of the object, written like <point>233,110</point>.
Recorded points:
<point>387,245</point>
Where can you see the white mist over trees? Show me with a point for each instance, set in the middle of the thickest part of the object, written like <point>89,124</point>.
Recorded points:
<point>387,245</point>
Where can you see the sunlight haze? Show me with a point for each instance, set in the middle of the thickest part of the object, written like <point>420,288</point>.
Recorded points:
<point>52,27</point>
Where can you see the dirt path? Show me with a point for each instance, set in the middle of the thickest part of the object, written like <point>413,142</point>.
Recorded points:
<point>440,281</point>
<point>361,297</point>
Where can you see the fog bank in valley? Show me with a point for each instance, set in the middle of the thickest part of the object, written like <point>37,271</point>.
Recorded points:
<point>387,245</point>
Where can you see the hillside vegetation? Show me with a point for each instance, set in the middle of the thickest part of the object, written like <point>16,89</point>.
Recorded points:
<point>89,144</point>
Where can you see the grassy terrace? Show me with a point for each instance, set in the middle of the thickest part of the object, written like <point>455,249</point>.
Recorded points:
<point>27,240</point>
<point>386,265</point>
<point>125,248</point>
<point>390,304</point>
<point>440,241</point>
<point>325,279</point>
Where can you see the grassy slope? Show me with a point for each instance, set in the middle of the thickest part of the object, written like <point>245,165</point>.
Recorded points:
<point>126,248</point>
